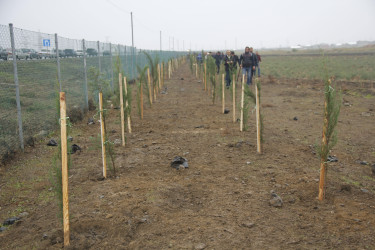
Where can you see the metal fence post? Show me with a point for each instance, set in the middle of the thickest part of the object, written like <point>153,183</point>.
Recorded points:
<point>15,72</point>
<point>110,53</point>
<point>58,61</point>
<point>100,68</point>
<point>125,59</point>
<point>85,75</point>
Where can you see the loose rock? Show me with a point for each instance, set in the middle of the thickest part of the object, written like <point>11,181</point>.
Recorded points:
<point>346,187</point>
<point>23,215</point>
<point>52,143</point>
<point>276,200</point>
<point>248,224</point>
<point>200,246</point>
<point>179,163</point>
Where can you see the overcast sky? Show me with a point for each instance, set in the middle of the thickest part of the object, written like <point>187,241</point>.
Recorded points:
<point>198,24</point>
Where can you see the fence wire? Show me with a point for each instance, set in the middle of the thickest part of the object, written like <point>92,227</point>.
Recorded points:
<point>41,75</point>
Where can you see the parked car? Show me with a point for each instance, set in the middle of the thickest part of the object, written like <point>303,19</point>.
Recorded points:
<point>79,53</point>
<point>45,53</point>
<point>21,55</point>
<point>32,54</point>
<point>91,52</point>
<point>61,53</point>
<point>106,53</point>
<point>70,53</point>
<point>4,54</point>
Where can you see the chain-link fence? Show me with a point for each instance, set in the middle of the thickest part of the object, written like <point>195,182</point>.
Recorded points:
<point>35,66</point>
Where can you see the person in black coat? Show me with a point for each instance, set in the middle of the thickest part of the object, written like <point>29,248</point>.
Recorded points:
<point>218,59</point>
<point>229,62</point>
<point>248,62</point>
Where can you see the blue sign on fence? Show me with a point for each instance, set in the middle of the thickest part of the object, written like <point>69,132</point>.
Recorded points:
<point>46,42</point>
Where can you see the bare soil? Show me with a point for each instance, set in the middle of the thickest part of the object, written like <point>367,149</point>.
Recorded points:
<point>222,200</point>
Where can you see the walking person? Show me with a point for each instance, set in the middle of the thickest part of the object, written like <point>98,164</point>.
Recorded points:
<point>253,70</point>
<point>218,59</point>
<point>228,63</point>
<point>248,63</point>
<point>235,60</point>
<point>259,60</point>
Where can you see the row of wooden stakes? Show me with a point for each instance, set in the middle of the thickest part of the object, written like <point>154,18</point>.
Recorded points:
<point>172,65</point>
<point>257,104</point>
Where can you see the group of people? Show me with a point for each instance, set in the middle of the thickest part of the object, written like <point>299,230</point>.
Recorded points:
<point>249,62</point>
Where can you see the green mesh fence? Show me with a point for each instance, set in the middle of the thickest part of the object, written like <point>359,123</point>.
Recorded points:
<point>38,80</point>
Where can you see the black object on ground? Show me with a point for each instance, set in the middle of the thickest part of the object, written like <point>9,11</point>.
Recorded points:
<point>332,159</point>
<point>295,118</point>
<point>10,221</point>
<point>90,121</point>
<point>226,111</point>
<point>179,163</point>
<point>75,148</point>
<point>52,143</point>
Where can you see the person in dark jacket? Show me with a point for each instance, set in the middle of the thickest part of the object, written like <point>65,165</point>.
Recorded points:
<point>218,59</point>
<point>229,64</point>
<point>248,62</point>
<point>259,60</point>
<point>235,60</point>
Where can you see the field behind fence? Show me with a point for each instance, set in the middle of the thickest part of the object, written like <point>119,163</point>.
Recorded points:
<point>40,75</point>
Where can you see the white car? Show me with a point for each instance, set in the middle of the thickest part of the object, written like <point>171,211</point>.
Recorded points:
<point>79,53</point>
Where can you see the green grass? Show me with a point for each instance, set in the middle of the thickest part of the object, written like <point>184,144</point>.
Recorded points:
<point>343,67</point>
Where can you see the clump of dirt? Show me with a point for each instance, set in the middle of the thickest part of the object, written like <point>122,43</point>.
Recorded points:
<point>75,114</point>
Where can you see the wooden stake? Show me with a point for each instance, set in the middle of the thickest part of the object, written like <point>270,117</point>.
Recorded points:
<point>242,101</point>
<point>102,132</point>
<point>205,76</point>
<point>149,85</point>
<point>323,159</point>
<point>127,106</point>
<point>169,70</point>
<point>159,75</point>
<point>234,98</point>
<point>64,169</point>
<point>141,101</point>
<point>196,70</point>
<point>259,148</point>
<point>223,92</point>
<point>162,74</point>
<point>121,110</point>
<point>154,89</point>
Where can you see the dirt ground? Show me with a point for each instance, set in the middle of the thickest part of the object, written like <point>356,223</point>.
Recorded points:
<point>222,200</point>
